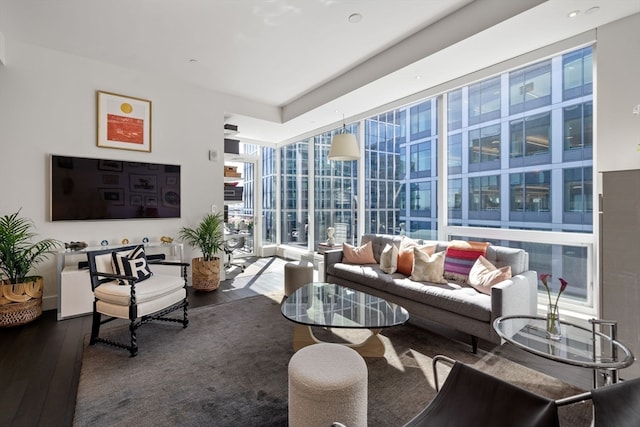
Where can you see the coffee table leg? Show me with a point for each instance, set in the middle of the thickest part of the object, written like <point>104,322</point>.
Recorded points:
<point>371,347</point>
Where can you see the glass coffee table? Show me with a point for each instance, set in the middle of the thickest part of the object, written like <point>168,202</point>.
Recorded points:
<point>576,346</point>
<point>334,306</point>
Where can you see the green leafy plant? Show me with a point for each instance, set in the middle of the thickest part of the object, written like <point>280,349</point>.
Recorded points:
<point>18,254</point>
<point>208,236</point>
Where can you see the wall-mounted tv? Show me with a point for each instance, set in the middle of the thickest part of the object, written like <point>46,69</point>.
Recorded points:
<point>97,189</point>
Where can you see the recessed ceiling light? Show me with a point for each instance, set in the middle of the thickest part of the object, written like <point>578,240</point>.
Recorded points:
<point>193,60</point>
<point>573,13</point>
<point>591,10</point>
<point>418,77</point>
<point>354,18</point>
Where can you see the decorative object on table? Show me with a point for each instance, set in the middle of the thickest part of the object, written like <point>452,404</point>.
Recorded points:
<point>124,122</point>
<point>104,243</point>
<point>21,295</point>
<point>331,240</point>
<point>125,241</point>
<point>208,236</point>
<point>75,246</point>
<point>553,317</point>
<point>166,239</point>
<point>145,240</point>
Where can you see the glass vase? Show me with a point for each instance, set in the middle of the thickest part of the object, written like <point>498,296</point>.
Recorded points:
<point>553,322</point>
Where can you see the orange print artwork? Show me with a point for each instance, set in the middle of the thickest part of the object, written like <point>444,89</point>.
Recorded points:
<point>125,129</point>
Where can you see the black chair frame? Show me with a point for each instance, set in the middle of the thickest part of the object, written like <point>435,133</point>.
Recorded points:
<point>98,278</point>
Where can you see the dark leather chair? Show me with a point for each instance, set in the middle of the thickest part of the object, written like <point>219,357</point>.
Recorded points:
<point>473,398</point>
<point>125,295</point>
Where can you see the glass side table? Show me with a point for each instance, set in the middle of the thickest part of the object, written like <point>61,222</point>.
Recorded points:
<point>578,346</point>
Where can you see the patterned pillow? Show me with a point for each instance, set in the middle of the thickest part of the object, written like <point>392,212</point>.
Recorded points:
<point>132,264</point>
<point>358,255</point>
<point>389,258</point>
<point>428,268</point>
<point>405,254</point>
<point>460,257</point>
<point>484,275</point>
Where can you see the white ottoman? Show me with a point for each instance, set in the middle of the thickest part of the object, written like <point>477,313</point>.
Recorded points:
<point>327,383</point>
<point>296,275</point>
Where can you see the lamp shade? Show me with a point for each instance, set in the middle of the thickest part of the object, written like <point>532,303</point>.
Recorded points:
<point>344,147</point>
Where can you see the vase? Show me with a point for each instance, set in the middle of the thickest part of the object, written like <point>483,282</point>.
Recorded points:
<point>553,322</point>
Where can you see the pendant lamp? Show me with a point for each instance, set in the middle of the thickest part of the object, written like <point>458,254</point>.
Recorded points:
<point>344,146</point>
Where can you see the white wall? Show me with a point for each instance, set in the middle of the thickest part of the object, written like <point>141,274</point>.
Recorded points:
<point>48,105</point>
<point>618,90</point>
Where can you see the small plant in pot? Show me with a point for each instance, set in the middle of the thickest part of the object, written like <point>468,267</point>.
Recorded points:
<point>20,294</point>
<point>208,236</point>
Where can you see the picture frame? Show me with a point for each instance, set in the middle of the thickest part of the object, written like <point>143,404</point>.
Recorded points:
<point>170,197</point>
<point>143,183</point>
<point>124,122</point>
<point>110,165</point>
<point>151,201</point>
<point>113,196</point>
<point>135,200</point>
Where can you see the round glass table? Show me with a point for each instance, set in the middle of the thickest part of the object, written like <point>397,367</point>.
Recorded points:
<point>576,346</point>
<point>329,305</point>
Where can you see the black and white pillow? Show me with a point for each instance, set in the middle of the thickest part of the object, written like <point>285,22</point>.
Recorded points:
<point>132,264</point>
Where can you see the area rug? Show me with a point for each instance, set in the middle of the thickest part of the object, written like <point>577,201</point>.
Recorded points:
<point>229,368</point>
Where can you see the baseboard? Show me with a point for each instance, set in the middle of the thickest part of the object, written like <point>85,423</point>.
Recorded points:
<point>50,303</point>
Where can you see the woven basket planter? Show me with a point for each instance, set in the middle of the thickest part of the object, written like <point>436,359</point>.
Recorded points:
<point>205,275</point>
<point>20,303</point>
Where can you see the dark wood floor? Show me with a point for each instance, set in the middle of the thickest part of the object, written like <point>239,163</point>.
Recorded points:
<point>40,362</point>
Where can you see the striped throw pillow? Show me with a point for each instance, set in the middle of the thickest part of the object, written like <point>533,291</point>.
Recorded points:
<point>132,264</point>
<point>460,257</point>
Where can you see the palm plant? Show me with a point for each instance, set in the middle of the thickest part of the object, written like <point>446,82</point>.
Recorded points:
<point>18,255</point>
<point>208,236</point>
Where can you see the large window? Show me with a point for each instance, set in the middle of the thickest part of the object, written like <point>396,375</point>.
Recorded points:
<point>518,158</point>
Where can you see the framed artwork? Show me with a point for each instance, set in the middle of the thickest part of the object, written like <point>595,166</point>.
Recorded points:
<point>151,201</point>
<point>124,122</point>
<point>143,183</point>
<point>172,180</point>
<point>170,197</point>
<point>111,179</point>
<point>113,196</point>
<point>110,165</point>
<point>135,200</point>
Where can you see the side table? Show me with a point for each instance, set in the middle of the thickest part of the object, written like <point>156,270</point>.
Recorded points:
<point>577,346</point>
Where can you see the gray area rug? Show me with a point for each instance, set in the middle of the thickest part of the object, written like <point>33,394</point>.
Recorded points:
<point>229,368</point>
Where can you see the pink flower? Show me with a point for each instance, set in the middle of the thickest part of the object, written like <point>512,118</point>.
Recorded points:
<point>563,285</point>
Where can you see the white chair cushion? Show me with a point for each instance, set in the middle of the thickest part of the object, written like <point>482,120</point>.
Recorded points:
<point>149,307</point>
<point>153,288</point>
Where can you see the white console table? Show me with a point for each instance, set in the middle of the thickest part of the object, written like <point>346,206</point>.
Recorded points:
<point>75,297</point>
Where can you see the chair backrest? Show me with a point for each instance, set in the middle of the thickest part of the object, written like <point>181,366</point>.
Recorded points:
<point>100,262</point>
<point>233,243</point>
<point>471,397</point>
<point>617,405</point>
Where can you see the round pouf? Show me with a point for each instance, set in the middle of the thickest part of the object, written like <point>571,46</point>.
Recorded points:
<point>327,384</point>
<point>296,275</point>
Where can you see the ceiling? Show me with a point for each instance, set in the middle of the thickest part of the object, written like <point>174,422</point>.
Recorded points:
<point>296,66</point>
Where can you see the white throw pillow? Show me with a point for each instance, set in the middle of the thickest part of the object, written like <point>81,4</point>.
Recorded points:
<point>428,268</point>
<point>389,259</point>
<point>484,275</point>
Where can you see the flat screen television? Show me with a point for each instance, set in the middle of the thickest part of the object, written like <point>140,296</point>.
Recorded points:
<point>99,189</point>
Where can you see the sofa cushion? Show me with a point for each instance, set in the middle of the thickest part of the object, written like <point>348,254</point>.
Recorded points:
<point>501,256</point>
<point>427,268</point>
<point>484,275</point>
<point>389,259</point>
<point>369,275</point>
<point>358,255</point>
<point>461,256</point>
<point>452,297</point>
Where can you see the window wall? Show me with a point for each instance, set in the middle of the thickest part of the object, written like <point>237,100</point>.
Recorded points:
<point>518,158</point>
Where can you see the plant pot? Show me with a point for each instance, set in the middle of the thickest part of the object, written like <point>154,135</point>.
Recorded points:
<point>205,275</point>
<point>20,303</point>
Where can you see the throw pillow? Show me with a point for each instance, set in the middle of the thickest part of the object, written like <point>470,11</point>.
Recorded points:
<point>405,254</point>
<point>358,254</point>
<point>428,268</point>
<point>484,275</point>
<point>460,257</point>
<point>132,264</point>
<point>389,258</point>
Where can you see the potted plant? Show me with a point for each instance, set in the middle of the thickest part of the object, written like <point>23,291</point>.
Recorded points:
<point>20,294</point>
<point>209,238</point>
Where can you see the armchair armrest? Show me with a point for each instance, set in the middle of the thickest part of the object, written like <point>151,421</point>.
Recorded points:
<point>114,276</point>
<point>331,257</point>
<point>176,263</point>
